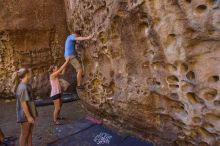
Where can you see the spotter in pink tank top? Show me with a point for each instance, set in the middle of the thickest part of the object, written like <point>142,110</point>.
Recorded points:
<point>55,87</point>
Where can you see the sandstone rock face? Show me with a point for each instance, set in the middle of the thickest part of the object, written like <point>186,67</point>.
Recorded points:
<point>154,66</point>
<point>32,33</point>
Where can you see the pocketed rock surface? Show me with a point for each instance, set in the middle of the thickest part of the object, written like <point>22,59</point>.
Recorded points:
<point>153,66</point>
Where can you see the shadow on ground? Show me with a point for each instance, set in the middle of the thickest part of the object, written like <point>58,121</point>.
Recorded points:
<point>44,127</point>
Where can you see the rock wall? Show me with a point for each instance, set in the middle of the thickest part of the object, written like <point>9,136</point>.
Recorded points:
<point>153,67</point>
<point>32,34</point>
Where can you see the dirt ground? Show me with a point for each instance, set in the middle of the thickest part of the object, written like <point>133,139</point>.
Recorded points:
<point>43,132</point>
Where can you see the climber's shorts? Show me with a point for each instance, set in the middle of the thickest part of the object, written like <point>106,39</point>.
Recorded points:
<point>75,63</point>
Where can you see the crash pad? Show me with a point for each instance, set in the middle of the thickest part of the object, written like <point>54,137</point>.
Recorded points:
<point>9,141</point>
<point>65,98</point>
<point>89,131</point>
<point>132,141</point>
<point>73,128</point>
<point>93,136</point>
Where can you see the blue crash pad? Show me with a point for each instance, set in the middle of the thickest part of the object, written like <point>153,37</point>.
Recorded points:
<point>94,136</point>
<point>9,141</point>
<point>73,128</point>
<point>89,131</point>
<point>132,141</point>
<point>48,101</point>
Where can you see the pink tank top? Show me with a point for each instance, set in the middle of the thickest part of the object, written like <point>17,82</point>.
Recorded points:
<point>55,87</point>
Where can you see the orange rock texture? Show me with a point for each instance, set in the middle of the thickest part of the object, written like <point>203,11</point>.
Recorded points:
<point>153,67</point>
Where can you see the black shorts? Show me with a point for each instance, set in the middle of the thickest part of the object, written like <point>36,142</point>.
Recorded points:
<point>57,96</point>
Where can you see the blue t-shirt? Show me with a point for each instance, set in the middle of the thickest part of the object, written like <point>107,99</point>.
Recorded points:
<point>70,46</point>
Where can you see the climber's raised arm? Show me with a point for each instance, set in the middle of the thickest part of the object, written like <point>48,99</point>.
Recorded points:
<point>83,38</point>
<point>55,71</point>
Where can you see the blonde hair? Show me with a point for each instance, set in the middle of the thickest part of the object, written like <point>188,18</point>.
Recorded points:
<point>17,76</point>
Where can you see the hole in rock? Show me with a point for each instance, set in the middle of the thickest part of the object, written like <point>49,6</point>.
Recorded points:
<point>170,38</point>
<point>145,65</point>
<point>90,74</point>
<point>214,78</point>
<point>211,31</point>
<point>185,85</point>
<point>203,133</point>
<point>217,143</point>
<point>211,2</point>
<point>191,97</point>
<point>89,86</point>
<point>120,13</point>
<point>207,125</point>
<point>112,73</point>
<point>200,9</point>
<point>148,53</point>
<point>143,25</point>
<point>99,74</point>
<point>157,83</point>
<point>96,82</point>
<point>171,67</point>
<point>200,100</point>
<point>183,67</point>
<point>114,35</point>
<point>188,1</point>
<point>172,79</point>
<point>180,109</point>
<point>143,28</point>
<point>111,88</point>
<point>210,93</point>
<point>151,52</point>
<point>212,118</point>
<point>157,65</point>
<point>104,79</point>
<point>196,119</point>
<point>181,142</point>
<point>190,75</point>
<point>157,21</point>
<point>103,37</point>
<point>173,86</point>
<point>203,144</point>
<point>174,96</point>
<point>193,61</point>
<point>217,102</point>
<point>193,133</point>
<point>138,91</point>
<point>172,35</point>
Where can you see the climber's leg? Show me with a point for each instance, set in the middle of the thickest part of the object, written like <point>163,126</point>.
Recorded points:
<point>75,63</point>
<point>79,77</point>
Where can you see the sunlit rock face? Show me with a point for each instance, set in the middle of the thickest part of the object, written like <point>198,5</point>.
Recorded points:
<point>32,34</point>
<point>153,67</point>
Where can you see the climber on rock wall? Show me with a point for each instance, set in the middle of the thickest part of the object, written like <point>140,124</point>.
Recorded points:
<point>70,52</point>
